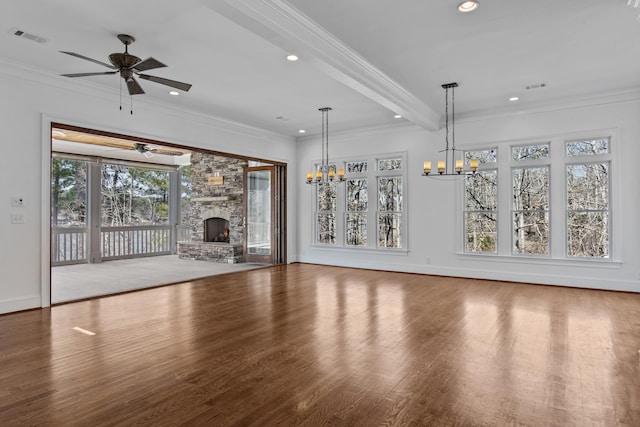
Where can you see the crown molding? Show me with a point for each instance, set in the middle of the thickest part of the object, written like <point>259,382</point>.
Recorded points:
<point>22,72</point>
<point>286,27</point>
<point>364,132</point>
<point>584,101</point>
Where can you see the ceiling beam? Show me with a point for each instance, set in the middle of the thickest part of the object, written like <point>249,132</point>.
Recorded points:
<point>286,27</point>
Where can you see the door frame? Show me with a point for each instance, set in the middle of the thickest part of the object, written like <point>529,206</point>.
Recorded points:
<point>48,122</point>
<point>269,259</point>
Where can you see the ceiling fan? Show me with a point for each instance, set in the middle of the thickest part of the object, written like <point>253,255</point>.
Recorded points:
<point>147,151</point>
<point>129,66</point>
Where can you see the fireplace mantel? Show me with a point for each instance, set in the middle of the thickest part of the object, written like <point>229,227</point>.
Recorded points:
<point>209,199</point>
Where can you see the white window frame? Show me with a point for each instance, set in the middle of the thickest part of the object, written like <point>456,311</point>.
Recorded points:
<point>557,199</point>
<point>482,167</point>
<point>316,212</point>
<point>587,160</point>
<point>528,164</point>
<point>402,173</point>
<point>371,176</point>
<point>357,175</point>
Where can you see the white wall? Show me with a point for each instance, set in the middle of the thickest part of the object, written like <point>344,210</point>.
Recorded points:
<point>434,222</point>
<point>30,102</point>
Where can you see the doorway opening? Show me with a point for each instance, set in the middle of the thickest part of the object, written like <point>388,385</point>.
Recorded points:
<point>150,206</point>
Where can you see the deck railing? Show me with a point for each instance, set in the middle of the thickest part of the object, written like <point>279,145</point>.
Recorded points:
<point>70,245</point>
<point>183,232</point>
<point>130,242</point>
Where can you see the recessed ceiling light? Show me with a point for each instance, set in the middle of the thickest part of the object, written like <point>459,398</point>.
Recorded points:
<point>301,131</point>
<point>513,98</point>
<point>292,58</point>
<point>468,6</point>
<point>174,93</point>
<point>397,116</point>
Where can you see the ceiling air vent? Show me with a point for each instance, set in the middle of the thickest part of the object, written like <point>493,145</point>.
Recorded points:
<point>535,86</point>
<point>25,35</point>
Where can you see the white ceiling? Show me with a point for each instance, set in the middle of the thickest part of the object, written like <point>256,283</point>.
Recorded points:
<point>366,59</point>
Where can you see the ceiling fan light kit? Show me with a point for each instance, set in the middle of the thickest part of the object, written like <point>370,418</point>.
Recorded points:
<point>129,67</point>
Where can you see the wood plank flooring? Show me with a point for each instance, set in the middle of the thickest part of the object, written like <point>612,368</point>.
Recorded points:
<point>310,345</point>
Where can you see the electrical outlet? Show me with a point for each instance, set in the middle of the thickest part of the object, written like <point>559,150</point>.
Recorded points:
<point>17,202</point>
<point>17,218</point>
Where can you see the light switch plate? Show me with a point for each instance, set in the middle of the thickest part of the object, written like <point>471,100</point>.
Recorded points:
<point>17,218</point>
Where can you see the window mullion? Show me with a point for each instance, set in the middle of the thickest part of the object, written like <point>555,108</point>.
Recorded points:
<point>557,199</point>
<point>503,214</point>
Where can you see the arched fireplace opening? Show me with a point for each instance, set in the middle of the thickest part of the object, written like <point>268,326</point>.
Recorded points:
<point>216,230</point>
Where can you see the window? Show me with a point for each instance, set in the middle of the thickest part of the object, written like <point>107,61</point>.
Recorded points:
<point>510,206</point>
<point>530,210</point>
<point>373,210</point>
<point>588,215</point>
<point>484,156</point>
<point>390,202</point>
<point>356,216</point>
<point>390,212</point>
<point>357,200</point>
<point>326,213</point>
<point>481,203</point>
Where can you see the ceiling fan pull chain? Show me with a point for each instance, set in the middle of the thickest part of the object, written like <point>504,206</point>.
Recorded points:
<point>120,94</point>
<point>131,97</point>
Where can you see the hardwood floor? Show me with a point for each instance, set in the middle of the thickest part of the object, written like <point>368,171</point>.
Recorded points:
<point>315,345</point>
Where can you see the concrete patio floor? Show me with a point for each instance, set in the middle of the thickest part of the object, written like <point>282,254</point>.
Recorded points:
<point>80,281</point>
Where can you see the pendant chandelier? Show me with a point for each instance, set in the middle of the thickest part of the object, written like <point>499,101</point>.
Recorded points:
<point>451,165</point>
<point>325,173</point>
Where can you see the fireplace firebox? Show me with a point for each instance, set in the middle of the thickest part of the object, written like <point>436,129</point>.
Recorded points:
<point>216,230</point>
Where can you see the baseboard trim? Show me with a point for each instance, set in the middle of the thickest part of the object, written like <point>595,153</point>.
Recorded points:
<point>10,305</point>
<point>608,284</point>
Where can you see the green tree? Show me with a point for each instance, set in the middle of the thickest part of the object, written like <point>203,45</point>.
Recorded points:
<point>68,192</point>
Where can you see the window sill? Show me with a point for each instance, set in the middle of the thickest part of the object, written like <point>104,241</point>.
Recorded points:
<point>538,260</point>
<point>385,251</point>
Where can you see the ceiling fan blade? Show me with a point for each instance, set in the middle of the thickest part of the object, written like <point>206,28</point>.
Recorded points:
<point>148,64</point>
<point>166,152</point>
<point>178,85</point>
<point>134,87</point>
<point>77,55</point>
<point>88,74</point>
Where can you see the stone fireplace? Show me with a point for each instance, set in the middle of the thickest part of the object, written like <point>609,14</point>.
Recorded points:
<point>217,209</point>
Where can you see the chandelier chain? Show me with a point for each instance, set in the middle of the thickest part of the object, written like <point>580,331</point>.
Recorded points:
<point>446,119</point>
<point>324,164</point>
<point>453,119</point>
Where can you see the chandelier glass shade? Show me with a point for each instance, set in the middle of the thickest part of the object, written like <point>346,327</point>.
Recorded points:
<point>325,173</point>
<point>451,165</point>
